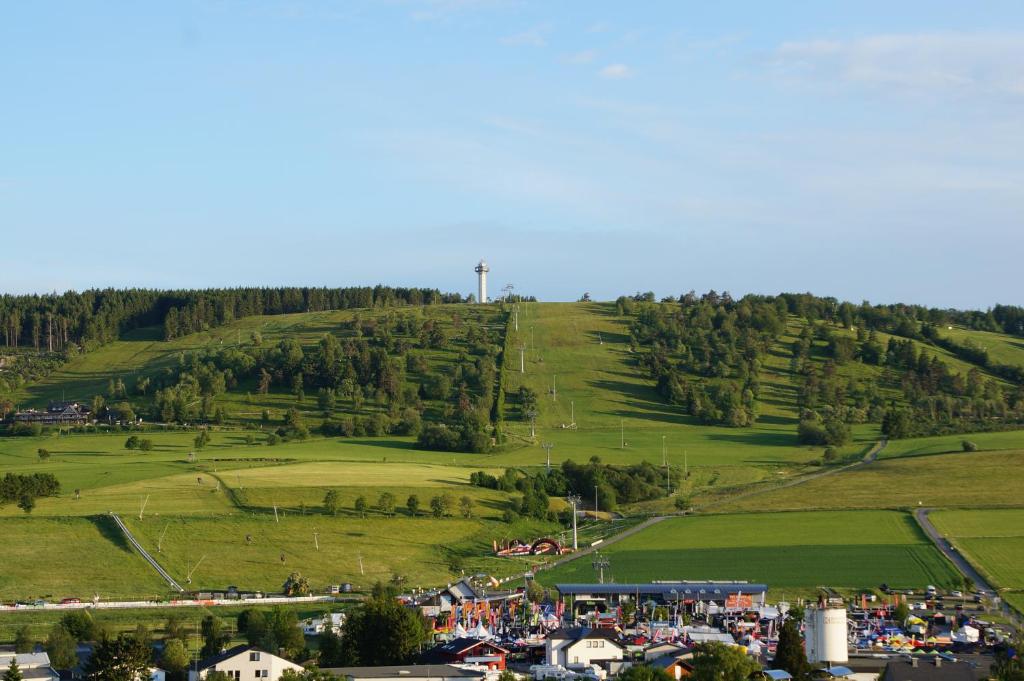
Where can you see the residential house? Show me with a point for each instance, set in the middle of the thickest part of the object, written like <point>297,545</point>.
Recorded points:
<point>676,666</point>
<point>244,663</point>
<point>56,413</point>
<point>580,647</point>
<point>467,651</point>
<point>33,666</point>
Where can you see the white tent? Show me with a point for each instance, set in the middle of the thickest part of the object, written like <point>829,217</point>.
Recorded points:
<point>481,632</point>
<point>460,631</point>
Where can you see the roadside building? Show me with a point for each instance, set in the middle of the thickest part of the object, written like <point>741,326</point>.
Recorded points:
<point>244,663</point>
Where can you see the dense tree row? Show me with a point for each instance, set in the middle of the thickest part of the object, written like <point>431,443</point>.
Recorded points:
<point>26,488</point>
<point>594,481</point>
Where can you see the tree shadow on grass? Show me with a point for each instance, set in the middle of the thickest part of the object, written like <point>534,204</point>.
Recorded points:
<point>757,438</point>
<point>385,443</point>
<point>111,532</point>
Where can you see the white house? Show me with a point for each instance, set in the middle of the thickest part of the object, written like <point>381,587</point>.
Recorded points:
<point>244,663</point>
<point>33,666</point>
<point>332,622</point>
<point>582,647</point>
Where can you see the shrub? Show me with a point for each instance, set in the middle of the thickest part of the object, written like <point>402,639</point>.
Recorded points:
<point>969,446</point>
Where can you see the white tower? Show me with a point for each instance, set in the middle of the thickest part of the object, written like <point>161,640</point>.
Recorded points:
<point>481,270</point>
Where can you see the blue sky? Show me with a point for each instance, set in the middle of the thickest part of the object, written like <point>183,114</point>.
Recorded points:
<point>865,150</point>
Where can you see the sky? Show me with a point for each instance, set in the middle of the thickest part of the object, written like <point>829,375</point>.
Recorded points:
<point>864,150</point>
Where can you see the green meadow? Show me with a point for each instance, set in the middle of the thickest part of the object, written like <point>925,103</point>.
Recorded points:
<point>992,540</point>
<point>787,551</point>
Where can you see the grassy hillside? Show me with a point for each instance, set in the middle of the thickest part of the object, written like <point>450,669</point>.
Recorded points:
<point>593,399</point>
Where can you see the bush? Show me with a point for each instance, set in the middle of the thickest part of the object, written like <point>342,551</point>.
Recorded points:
<point>146,445</point>
<point>830,454</point>
<point>969,446</point>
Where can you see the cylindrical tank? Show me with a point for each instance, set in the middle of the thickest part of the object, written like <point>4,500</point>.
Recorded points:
<point>826,635</point>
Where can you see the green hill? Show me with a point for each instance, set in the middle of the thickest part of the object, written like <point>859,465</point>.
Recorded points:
<point>623,382</point>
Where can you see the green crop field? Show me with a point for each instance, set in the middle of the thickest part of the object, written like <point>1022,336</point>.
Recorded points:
<point>992,540</point>
<point>978,480</point>
<point>796,551</point>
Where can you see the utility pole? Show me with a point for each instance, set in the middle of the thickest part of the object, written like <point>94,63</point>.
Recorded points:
<point>547,448</point>
<point>575,501</point>
<point>595,499</point>
<point>554,388</point>
<point>316,539</point>
<point>572,413</point>
<point>600,563</point>
<point>686,467</point>
<point>532,414</point>
<point>622,435</point>
<point>143,508</point>
<point>522,359</point>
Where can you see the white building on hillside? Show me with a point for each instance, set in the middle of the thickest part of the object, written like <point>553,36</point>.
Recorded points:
<point>244,663</point>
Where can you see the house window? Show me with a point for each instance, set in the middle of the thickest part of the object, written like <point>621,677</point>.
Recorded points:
<point>254,657</point>
<point>265,673</point>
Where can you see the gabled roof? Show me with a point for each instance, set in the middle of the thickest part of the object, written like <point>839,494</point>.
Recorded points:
<point>461,645</point>
<point>669,661</point>
<point>581,633</point>
<point>227,655</point>
<point>410,671</point>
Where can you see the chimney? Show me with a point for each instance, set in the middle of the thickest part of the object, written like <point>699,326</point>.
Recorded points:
<point>913,662</point>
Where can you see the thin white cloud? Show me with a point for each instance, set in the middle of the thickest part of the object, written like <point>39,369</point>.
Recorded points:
<point>917,62</point>
<point>581,57</point>
<point>531,37</point>
<point>615,72</point>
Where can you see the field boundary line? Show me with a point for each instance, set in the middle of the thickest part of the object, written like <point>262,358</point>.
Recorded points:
<point>145,554</point>
<point>869,457</point>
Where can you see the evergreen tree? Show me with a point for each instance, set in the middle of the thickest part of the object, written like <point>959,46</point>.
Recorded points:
<point>124,658</point>
<point>13,673</point>
<point>790,654</point>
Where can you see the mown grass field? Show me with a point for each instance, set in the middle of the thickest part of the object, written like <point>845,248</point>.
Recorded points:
<point>976,480</point>
<point>992,540</point>
<point>54,558</point>
<point>788,551</point>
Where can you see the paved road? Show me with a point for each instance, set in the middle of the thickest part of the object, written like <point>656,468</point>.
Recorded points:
<point>145,554</point>
<point>943,545</point>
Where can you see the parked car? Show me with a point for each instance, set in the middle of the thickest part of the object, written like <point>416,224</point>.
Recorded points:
<point>956,594</point>
<point>70,600</point>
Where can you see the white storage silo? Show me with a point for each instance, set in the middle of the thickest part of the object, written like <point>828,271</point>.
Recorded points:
<point>826,635</point>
